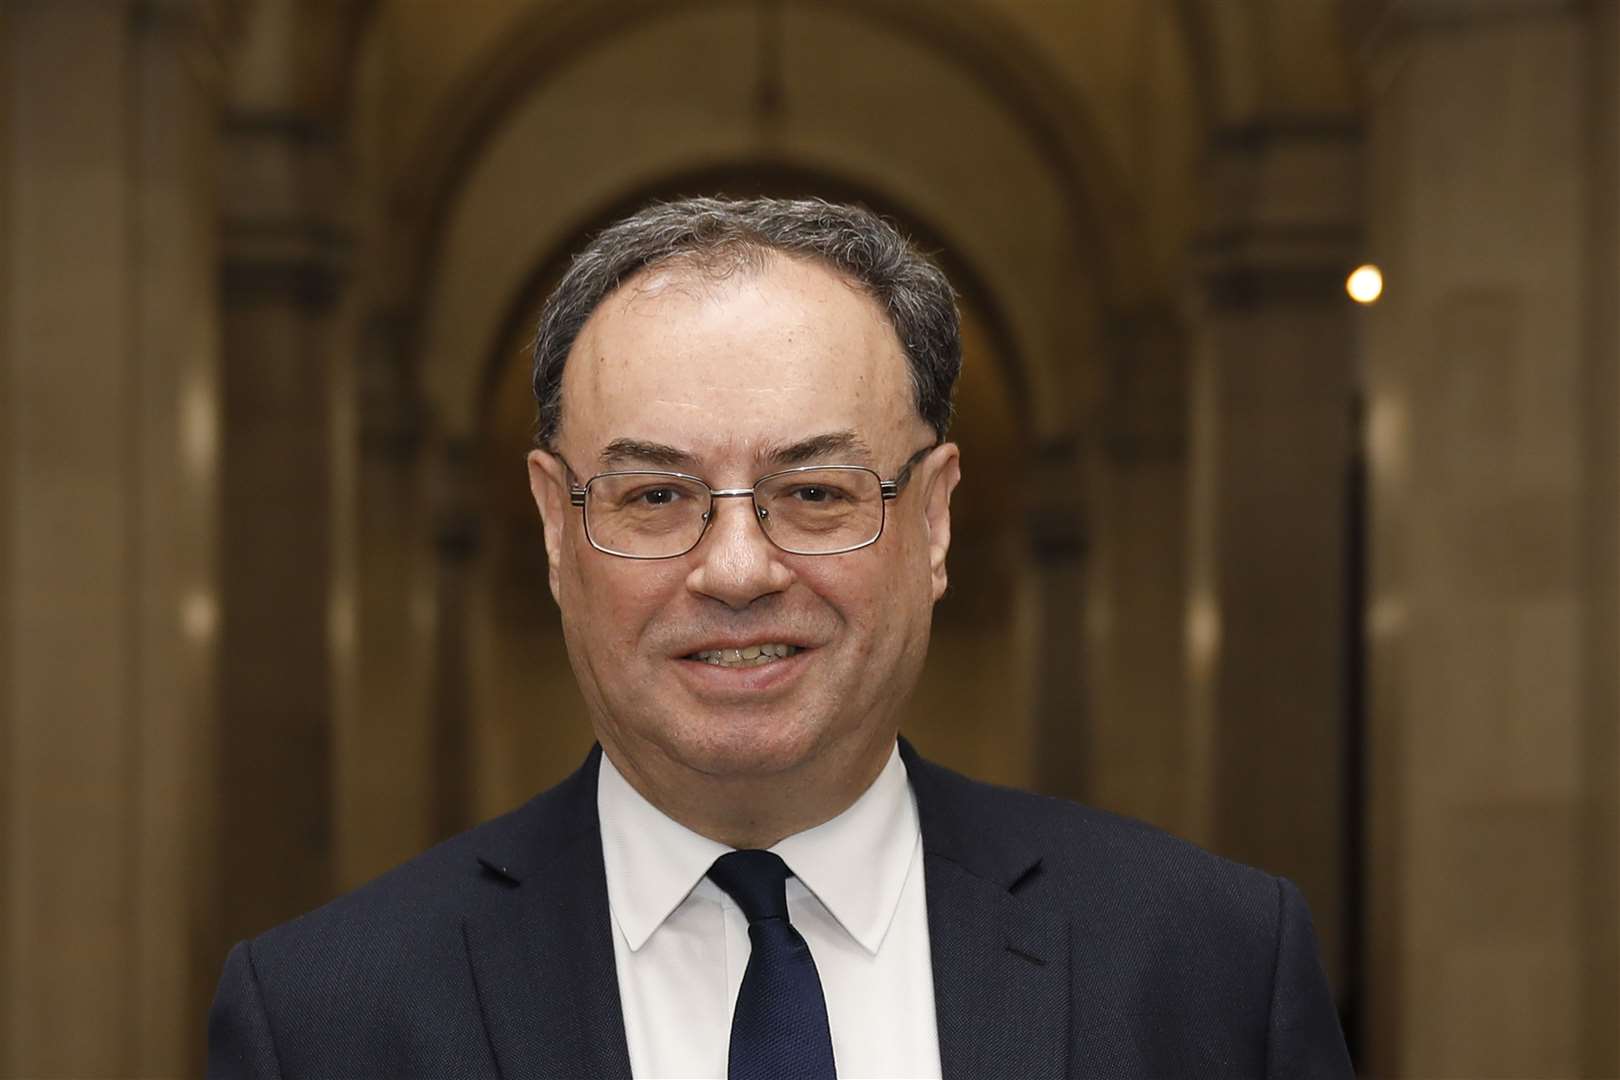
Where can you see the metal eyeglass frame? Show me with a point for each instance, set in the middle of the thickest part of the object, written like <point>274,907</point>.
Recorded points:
<point>888,489</point>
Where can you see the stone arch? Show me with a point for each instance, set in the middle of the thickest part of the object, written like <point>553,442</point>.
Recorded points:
<point>981,44</point>
<point>503,181</point>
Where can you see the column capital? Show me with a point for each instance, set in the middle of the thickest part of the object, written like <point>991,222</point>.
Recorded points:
<point>1285,219</point>
<point>280,233</point>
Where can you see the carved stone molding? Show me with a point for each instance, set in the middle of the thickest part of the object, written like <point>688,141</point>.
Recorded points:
<point>280,232</point>
<point>1285,222</point>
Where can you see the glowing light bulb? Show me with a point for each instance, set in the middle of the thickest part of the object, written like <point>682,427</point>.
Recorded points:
<point>1365,284</point>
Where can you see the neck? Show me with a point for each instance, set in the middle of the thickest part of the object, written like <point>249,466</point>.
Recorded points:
<point>755,810</point>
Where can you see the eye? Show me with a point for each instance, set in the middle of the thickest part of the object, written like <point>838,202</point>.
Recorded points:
<point>656,496</point>
<point>650,497</point>
<point>818,494</point>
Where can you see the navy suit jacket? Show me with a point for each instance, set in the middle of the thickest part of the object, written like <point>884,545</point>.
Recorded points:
<point>1065,942</point>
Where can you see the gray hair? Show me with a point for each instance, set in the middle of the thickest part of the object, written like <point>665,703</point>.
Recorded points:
<point>718,236</point>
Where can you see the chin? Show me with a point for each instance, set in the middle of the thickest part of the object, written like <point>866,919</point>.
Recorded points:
<point>752,750</point>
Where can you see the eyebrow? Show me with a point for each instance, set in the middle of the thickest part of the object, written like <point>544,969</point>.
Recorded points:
<point>622,452</point>
<point>840,443</point>
<point>642,452</point>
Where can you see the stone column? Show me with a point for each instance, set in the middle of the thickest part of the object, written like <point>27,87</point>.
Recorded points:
<point>1270,417</point>
<point>284,622</point>
<point>1136,577</point>
<point>457,540</point>
<point>1490,369</point>
<point>108,602</point>
<point>1056,518</point>
<point>385,771</point>
<point>1601,491</point>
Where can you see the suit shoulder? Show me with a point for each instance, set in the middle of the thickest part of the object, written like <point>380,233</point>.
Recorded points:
<point>426,897</point>
<point>1082,850</point>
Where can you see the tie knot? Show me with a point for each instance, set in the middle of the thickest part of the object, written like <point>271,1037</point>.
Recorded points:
<point>757,880</point>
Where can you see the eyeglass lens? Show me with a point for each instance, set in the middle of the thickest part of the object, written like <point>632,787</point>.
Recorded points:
<point>653,515</point>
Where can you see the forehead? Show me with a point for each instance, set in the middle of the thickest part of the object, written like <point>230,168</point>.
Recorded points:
<point>728,366</point>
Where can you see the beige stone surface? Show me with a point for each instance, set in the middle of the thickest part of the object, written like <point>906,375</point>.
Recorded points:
<point>109,397</point>
<point>272,615</point>
<point>73,666</point>
<point>1475,367</point>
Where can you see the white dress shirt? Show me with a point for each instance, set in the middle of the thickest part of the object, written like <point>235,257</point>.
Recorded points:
<point>680,944</point>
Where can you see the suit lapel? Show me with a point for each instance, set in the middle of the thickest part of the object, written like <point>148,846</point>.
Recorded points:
<point>540,942</point>
<point>1001,962</point>
<point>541,945</point>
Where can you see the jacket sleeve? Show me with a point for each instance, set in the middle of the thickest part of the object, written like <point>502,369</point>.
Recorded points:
<point>240,1044</point>
<point>1305,1040</point>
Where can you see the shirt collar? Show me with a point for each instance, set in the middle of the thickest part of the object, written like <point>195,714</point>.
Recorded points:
<point>856,864</point>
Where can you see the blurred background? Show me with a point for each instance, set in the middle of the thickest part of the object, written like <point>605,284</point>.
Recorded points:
<point>1329,587</point>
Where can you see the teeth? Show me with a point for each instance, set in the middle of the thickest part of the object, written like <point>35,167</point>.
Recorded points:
<point>750,656</point>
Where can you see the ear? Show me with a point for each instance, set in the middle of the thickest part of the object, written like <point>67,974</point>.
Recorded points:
<point>942,481</point>
<point>548,483</point>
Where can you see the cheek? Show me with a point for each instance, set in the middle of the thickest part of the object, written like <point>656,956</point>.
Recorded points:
<point>611,601</point>
<point>908,570</point>
<point>874,597</point>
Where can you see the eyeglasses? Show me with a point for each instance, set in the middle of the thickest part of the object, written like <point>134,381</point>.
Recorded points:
<point>811,510</point>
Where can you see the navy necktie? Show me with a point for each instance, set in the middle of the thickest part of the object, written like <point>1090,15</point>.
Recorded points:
<point>779,1030</point>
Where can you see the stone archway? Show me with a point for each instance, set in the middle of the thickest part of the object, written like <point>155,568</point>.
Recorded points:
<point>554,156</point>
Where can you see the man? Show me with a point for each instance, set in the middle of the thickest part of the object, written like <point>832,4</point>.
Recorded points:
<point>745,487</point>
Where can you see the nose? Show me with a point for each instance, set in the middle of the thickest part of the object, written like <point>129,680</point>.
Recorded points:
<point>735,563</point>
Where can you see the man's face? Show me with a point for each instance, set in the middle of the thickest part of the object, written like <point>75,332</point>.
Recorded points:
<point>729,380</point>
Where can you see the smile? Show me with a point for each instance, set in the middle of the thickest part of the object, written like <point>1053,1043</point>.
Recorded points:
<point>747,656</point>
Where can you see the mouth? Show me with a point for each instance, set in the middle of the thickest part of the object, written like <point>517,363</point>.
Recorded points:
<point>755,655</point>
